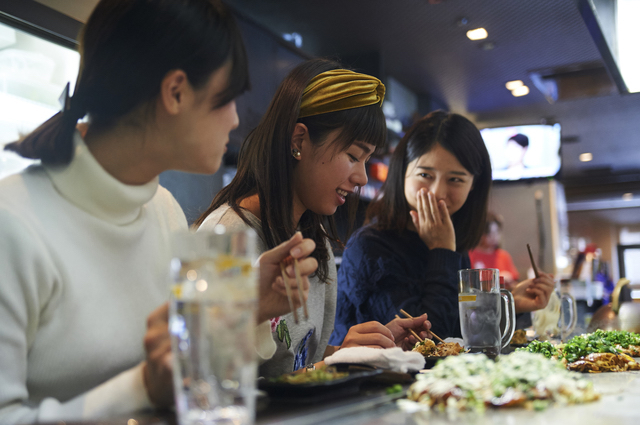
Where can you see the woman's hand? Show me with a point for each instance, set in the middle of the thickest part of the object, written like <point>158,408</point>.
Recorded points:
<point>401,330</point>
<point>432,221</point>
<point>273,301</point>
<point>369,334</point>
<point>157,370</point>
<point>533,294</point>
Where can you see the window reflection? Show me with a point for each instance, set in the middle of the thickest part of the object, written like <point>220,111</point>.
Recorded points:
<point>33,73</point>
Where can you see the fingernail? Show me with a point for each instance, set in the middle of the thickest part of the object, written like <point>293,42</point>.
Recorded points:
<point>295,252</point>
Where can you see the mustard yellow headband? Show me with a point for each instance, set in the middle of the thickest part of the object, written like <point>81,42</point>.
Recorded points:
<point>340,89</point>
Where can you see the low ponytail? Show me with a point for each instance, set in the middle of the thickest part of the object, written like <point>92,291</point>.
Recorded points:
<point>52,141</point>
<point>127,47</point>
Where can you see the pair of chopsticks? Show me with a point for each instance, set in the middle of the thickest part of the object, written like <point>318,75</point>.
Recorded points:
<point>413,332</point>
<point>533,263</point>
<point>287,287</point>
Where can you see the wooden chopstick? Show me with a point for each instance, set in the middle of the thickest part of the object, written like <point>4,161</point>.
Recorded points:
<point>533,263</point>
<point>288,289</point>
<point>296,270</point>
<point>411,317</point>
<point>413,332</point>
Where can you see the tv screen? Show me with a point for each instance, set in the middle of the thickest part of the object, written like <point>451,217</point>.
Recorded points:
<point>523,151</point>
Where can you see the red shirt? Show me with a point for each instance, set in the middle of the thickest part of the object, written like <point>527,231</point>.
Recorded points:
<point>499,259</point>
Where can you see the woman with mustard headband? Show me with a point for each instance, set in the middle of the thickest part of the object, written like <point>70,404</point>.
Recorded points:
<point>305,159</point>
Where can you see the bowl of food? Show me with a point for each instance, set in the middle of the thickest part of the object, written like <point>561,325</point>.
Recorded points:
<point>433,352</point>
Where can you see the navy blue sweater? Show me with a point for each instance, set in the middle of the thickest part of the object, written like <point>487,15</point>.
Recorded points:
<point>385,271</point>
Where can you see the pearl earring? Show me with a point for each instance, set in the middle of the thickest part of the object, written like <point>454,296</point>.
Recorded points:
<point>296,153</point>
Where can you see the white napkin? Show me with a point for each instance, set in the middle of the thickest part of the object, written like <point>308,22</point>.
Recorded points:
<point>391,358</point>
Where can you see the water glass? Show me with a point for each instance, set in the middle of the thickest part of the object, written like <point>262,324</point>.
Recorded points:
<point>212,324</point>
<point>481,310</point>
<point>558,319</point>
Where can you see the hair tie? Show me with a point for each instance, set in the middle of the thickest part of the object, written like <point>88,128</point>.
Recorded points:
<point>64,99</point>
<point>340,89</point>
<point>70,109</point>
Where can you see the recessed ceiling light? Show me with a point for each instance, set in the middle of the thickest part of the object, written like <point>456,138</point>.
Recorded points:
<point>512,85</point>
<point>477,34</point>
<point>520,91</point>
<point>627,196</point>
<point>585,157</point>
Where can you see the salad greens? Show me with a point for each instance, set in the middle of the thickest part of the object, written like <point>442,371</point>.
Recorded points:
<point>542,347</point>
<point>582,345</point>
<point>598,342</point>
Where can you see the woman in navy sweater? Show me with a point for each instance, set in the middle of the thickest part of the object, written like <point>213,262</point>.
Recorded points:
<point>431,211</point>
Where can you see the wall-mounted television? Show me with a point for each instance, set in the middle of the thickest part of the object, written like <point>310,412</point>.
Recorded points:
<point>523,151</point>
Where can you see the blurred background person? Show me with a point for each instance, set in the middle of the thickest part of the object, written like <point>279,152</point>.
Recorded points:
<point>489,255</point>
<point>529,295</point>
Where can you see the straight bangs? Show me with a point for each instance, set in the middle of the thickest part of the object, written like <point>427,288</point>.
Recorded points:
<point>366,124</point>
<point>238,81</point>
<point>465,147</point>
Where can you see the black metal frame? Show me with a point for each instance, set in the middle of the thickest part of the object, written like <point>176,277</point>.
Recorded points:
<point>41,21</point>
<point>591,21</point>
<point>621,249</point>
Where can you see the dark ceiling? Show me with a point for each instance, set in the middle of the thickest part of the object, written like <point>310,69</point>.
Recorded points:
<point>422,44</point>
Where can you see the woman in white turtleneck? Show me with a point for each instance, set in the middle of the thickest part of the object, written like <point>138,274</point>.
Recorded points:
<point>84,237</point>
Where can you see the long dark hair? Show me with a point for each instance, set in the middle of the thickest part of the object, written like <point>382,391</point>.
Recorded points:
<point>127,48</point>
<point>459,136</point>
<point>265,164</point>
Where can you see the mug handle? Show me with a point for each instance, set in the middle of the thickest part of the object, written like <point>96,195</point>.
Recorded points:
<point>573,317</point>
<point>510,317</point>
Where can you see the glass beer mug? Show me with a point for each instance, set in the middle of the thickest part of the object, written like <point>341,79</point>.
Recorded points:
<point>480,311</point>
<point>558,319</point>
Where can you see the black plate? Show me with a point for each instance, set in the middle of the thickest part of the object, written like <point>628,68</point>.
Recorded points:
<point>314,392</point>
<point>430,361</point>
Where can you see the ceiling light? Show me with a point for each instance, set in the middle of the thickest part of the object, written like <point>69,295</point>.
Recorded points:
<point>512,85</point>
<point>477,34</point>
<point>585,157</point>
<point>627,196</point>
<point>520,91</point>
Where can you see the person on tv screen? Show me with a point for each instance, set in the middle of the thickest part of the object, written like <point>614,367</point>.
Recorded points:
<point>517,147</point>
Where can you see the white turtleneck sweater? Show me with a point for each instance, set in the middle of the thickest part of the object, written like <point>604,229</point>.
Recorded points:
<point>83,261</point>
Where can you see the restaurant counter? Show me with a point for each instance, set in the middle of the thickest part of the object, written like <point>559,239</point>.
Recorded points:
<point>619,404</point>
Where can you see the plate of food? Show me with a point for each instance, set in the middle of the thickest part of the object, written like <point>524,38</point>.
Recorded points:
<point>433,352</point>
<point>474,382</point>
<point>315,385</point>
<point>599,351</point>
<point>519,339</point>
